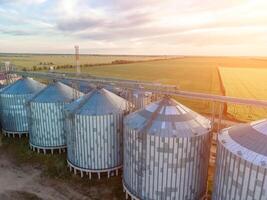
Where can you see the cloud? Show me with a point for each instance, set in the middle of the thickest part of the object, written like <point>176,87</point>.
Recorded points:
<point>27,2</point>
<point>78,24</point>
<point>137,24</point>
<point>17,32</point>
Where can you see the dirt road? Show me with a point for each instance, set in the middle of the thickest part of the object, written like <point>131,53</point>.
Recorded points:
<point>27,182</point>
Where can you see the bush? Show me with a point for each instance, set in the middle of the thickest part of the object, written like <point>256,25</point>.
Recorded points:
<point>121,61</point>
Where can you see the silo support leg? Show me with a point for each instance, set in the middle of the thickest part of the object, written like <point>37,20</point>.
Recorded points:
<point>90,175</point>
<point>44,151</point>
<point>52,151</point>
<point>117,172</point>
<point>108,174</point>
<point>75,172</point>
<point>81,174</point>
<point>98,175</point>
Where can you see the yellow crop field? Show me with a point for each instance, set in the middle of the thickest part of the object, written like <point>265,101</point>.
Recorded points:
<point>41,60</point>
<point>200,74</point>
<point>191,73</point>
<point>246,83</point>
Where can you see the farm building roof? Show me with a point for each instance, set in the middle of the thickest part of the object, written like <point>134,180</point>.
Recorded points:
<point>83,86</point>
<point>98,102</point>
<point>55,92</point>
<point>23,86</point>
<point>168,118</point>
<point>247,141</point>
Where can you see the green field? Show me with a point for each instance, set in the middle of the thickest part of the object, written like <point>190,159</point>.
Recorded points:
<point>245,83</point>
<point>187,73</point>
<point>198,74</point>
<point>45,60</point>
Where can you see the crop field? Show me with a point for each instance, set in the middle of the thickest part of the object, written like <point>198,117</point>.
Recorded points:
<point>191,73</point>
<point>246,83</point>
<point>45,60</point>
<point>187,73</point>
<point>200,74</point>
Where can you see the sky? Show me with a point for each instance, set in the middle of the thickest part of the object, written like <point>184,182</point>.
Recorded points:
<point>175,27</point>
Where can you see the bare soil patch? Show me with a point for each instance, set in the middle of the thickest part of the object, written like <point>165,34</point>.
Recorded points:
<point>25,175</point>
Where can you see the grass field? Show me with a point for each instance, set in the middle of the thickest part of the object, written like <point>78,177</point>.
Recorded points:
<point>198,74</point>
<point>193,74</point>
<point>190,73</point>
<point>246,83</point>
<point>42,60</point>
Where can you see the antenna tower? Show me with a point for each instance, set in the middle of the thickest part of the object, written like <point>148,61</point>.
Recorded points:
<point>77,59</point>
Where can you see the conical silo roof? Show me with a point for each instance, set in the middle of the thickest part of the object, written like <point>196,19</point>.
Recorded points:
<point>23,86</point>
<point>98,102</point>
<point>248,141</point>
<point>55,92</point>
<point>168,118</point>
<point>83,86</point>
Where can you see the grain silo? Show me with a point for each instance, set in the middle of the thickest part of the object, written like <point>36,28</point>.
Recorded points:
<point>46,117</point>
<point>13,105</point>
<point>139,98</point>
<point>94,136</point>
<point>166,152</point>
<point>83,86</point>
<point>241,162</point>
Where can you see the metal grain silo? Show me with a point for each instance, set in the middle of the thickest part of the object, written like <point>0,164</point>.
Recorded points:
<point>166,152</point>
<point>13,105</point>
<point>82,86</point>
<point>241,162</point>
<point>94,136</point>
<point>139,98</point>
<point>46,117</point>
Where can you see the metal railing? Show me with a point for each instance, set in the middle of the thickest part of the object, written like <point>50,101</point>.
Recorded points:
<point>154,87</point>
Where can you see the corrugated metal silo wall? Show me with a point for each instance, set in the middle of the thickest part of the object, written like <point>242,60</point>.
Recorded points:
<point>46,124</point>
<point>95,142</point>
<point>14,112</point>
<point>165,168</point>
<point>237,178</point>
<point>139,101</point>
